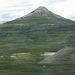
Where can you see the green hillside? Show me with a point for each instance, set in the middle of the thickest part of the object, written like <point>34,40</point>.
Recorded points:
<point>39,31</point>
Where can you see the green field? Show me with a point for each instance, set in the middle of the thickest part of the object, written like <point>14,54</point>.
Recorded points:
<point>29,66</point>
<point>20,65</point>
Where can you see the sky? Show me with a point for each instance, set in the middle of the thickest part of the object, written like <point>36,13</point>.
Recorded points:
<point>12,9</point>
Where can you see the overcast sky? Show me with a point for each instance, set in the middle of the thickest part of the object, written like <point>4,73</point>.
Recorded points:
<point>11,9</point>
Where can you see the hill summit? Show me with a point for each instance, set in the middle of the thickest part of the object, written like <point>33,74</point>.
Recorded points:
<point>39,31</point>
<point>44,12</point>
<point>41,15</point>
<point>40,9</point>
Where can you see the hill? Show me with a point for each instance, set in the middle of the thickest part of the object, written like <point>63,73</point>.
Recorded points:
<point>39,31</point>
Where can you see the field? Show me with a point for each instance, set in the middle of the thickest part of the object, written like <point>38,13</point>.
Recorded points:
<point>28,65</point>
<point>20,65</point>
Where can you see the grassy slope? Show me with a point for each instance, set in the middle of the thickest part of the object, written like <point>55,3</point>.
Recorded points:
<point>36,33</point>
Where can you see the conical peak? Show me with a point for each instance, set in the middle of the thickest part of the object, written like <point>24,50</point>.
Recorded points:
<point>40,11</point>
<point>42,8</point>
<point>43,12</point>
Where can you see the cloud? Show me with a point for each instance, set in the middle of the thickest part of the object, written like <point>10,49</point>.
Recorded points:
<point>6,3</point>
<point>65,9</point>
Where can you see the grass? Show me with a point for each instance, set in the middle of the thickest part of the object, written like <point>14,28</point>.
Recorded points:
<point>20,65</point>
<point>36,33</point>
<point>15,38</point>
<point>28,65</point>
